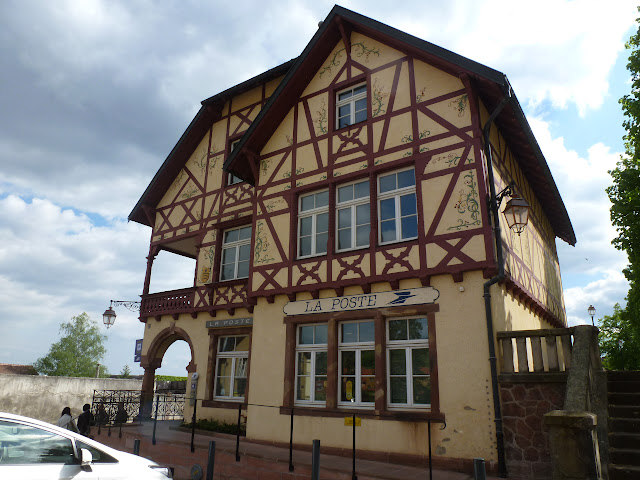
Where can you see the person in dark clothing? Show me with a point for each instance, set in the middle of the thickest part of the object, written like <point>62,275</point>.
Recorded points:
<point>85,420</point>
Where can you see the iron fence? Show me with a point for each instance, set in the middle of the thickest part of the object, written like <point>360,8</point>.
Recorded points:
<point>112,407</point>
<point>168,406</point>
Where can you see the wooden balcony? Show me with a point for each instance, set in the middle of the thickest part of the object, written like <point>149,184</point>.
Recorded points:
<point>172,303</point>
<point>536,351</point>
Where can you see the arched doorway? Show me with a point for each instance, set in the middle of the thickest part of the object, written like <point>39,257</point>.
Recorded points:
<point>152,361</point>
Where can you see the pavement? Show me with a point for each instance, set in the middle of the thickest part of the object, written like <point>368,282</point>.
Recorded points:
<point>169,431</point>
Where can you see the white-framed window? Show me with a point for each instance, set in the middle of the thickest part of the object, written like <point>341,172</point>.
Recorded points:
<point>397,210</point>
<point>313,224</point>
<point>408,369</point>
<point>311,364</point>
<point>351,105</point>
<point>356,364</point>
<point>231,178</point>
<point>231,367</point>
<point>353,222</point>
<point>236,250</point>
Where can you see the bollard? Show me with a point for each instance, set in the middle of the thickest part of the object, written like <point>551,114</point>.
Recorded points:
<point>136,446</point>
<point>238,433</point>
<point>429,436</point>
<point>155,421</point>
<point>479,472</point>
<point>193,424</point>
<point>211,460</point>
<point>291,443</point>
<point>353,471</point>
<point>315,460</point>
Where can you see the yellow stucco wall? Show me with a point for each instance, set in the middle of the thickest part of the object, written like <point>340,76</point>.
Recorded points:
<point>535,247</point>
<point>464,383</point>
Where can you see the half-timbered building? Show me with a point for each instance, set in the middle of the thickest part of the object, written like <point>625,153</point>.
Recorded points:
<point>337,209</point>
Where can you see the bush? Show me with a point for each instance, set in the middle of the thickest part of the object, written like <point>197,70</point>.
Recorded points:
<point>216,426</point>
<point>169,378</point>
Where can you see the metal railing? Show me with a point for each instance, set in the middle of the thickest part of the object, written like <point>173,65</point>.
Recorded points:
<point>168,406</point>
<point>536,351</point>
<point>115,406</point>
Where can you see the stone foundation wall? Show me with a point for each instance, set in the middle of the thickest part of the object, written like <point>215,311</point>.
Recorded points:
<point>526,441</point>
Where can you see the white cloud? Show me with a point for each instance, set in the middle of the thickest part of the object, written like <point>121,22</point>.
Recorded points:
<point>561,51</point>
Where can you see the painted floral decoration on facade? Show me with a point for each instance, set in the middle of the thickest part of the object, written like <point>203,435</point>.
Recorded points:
<point>209,255</point>
<point>467,204</point>
<point>359,50</point>
<point>460,104</point>
<point>321,120</point>
<point>264,165</point>
<point>190,192</point>
<point>289,140</point>
<point>262,245</point>
<point>409,138</point>
<point>377,101</point>
<point>201,162</point>
<point>421,94</point>
<point>178,180</point>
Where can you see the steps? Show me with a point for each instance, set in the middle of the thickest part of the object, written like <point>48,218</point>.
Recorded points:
<point>624,425</point>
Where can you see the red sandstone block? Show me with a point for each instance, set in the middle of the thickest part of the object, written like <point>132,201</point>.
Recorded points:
<point>534,422</point>
<point>540,440</point>
<point>523,441</point>
<point>534,394</point>
<point>531,454</point>
<point>506,395</point>
<point>513,453</point>
<point>522,429</point>
<point>513,410</point>
<point>519,393</point>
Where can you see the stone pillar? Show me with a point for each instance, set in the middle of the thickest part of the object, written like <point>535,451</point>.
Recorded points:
<point>146,395</point>
<point>574,445</point>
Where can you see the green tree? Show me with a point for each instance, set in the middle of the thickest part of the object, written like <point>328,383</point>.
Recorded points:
<point>77,352</point>
<point>619,341</point>
<point>624,325</point>
<point>125,372</point>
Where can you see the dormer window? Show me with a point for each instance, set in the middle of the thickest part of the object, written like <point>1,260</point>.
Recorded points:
<point>351,105</point>
<point>231,178</point>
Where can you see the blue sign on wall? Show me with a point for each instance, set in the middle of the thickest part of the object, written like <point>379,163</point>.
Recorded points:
<point>137,356</point>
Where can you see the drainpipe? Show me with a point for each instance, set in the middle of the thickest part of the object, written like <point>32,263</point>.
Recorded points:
<point>493,207</point>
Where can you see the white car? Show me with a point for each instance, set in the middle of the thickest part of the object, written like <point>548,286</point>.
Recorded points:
<point>35,450</point>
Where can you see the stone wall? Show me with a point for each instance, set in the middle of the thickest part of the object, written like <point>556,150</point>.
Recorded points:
<point>526,440</point>
<point>45,397</point>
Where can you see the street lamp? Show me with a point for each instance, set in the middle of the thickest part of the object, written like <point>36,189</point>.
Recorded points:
<point>109,315</point>
<point>591,311</point>
<point>516,211</point>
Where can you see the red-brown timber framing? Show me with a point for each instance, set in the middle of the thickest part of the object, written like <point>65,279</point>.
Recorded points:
<point>241,204</point>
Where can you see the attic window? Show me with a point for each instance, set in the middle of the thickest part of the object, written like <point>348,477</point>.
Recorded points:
<point>231,178</point>
<point>351,105</point>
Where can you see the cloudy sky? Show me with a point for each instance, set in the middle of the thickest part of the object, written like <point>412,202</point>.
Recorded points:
<point>95,94</point>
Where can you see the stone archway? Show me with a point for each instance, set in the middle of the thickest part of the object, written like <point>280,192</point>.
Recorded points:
<point>153,360</point>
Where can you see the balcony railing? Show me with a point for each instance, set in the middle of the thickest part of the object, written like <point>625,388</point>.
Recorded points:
<point>167,303</point>
<point>536,351</point>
